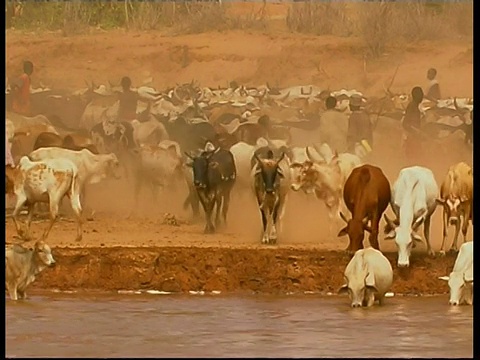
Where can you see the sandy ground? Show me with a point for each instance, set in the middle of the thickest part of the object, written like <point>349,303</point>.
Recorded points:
<point>213,59</point>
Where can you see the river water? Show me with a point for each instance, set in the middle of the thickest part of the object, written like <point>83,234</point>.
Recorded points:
<point>112,325</point>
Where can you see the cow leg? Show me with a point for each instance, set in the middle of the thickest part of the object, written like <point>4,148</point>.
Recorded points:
<point>455,236</point>
<point>426,232</point>
<point>226,205</point>
<point>275,218</point>
<point>465,225</point>
<point>208,208</point>
<point>265,239</point>
<point>445,232</point>
<point>53,216</point>
<point>22,294</point>
<point>12,291</point>
<point>270,226</point>
<point>373,238</point>
<point>83,198</point>
<point>21,200</point>
<point>28,224</point>
<point>219,202</point>
<point>77,209</point>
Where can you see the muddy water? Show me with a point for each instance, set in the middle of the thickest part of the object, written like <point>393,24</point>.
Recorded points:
<point>74,325</point>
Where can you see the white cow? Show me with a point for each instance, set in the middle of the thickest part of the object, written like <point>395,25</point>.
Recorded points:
<point>413,201</point>
<point>368,277</point>
<point>460,280</point>
<point>160,165</point>
<point>92,168</point>
<point>45,181</point>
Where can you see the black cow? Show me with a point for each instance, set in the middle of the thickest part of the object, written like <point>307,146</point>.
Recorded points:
<point>214,175</point>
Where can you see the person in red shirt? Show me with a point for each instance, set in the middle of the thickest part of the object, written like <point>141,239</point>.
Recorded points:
<point>127,110</point>
<point>21,91</point>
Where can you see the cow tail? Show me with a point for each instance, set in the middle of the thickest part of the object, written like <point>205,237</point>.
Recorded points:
<point>365,176</point>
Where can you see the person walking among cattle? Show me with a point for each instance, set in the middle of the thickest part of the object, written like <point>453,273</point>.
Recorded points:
<point>127,108</point>
<point>433,89</point>
<point>411,124</point>
<point>333,126</point>
<point>360,127</point>
<point>21,90</point>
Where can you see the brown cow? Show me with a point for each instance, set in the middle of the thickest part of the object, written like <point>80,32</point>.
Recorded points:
<point>366,194</point>
<point>456,197</point>
<point>74,142</point>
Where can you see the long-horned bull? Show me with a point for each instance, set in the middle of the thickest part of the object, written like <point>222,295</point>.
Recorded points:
<point>271,187</point>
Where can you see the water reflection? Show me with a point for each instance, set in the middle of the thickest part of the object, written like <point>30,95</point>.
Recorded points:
<point>57,325</point>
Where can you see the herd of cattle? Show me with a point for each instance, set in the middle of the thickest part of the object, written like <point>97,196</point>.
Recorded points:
<point>212,141</point>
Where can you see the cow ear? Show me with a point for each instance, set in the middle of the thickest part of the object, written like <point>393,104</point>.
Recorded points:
<point>370,280</point>
<point>343,290</point>
<point>343,232</point>
<point>371,288</point>
<point>468,275</point>
<point>295,166</point>
<point>172,151</point>
<point>440,201</point>
<point>446,278</point>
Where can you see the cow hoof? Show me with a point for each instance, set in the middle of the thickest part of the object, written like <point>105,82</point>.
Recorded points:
<point>431,253</point>
<point>78,238</point>
<point>452,251</point>
<point>209,230</point>
<point>441,253</point>
<point>89,218</point>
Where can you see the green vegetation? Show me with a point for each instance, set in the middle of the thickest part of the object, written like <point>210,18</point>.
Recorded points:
<point>377,24</point>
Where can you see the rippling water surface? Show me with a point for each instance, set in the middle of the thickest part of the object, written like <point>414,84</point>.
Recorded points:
<point>74,325</point>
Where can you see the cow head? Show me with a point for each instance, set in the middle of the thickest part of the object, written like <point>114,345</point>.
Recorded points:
<point>112,166</point>
<point>43,253</point>
<point>306,177</point>
<point>360,288</point>
<point>461,287</point>
<point>452,206</point>
<point>268,169</point>
<point>355,230</point>
<point>200,165</point>
<point>404,237</point>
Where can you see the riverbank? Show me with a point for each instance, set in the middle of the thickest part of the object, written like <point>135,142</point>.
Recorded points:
<point>185,269</point>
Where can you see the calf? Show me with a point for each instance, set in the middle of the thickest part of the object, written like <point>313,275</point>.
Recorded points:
<point>22,265</point>
<point>45,181</point>
<point>214,175</point>
<point>270,183</point>
<point>368,276</point>
<point>456,197</point>
<point>413,202</point>
<point>366,194</point>
<point>460,280</point>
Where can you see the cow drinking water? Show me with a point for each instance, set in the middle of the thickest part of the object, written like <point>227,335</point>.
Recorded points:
<point>366,194</point>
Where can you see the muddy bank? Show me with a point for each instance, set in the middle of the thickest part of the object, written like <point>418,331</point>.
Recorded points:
<point>181,269</point>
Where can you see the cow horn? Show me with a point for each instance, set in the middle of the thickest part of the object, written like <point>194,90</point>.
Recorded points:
<point>175,94</point>
<point>344,218</point>
<point>308,153</point>
<point>280,158</point>
<point>255,155</point>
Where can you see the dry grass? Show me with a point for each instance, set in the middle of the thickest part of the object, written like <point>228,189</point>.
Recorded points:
<point>378,24</point>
